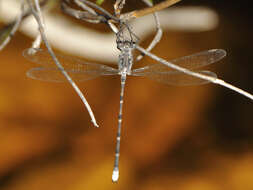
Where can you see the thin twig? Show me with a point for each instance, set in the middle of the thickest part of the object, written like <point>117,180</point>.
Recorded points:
<point>106,13</point>
<point>118,6</point>
<point>42,33</point>
<point>38,39</point>
<point>198,75</point>
<point>88,16</point>
<point>85,7</point>
<point>15,24</point>
<point>189,72</point>
<point>14,28</point>
<point>176,67</point>
<point>158,35</point>
<point>149,10</point>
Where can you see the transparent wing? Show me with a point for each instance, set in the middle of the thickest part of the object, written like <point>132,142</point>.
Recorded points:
<point>77,69</point>
<point>161,73</point>
<point>180,79</point>
<point>55,75</point>
<point>193,61</point>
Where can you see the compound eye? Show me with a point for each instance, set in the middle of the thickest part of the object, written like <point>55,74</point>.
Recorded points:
<point>119,46</point>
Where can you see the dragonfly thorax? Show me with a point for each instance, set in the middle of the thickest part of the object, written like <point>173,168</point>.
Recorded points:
<point>126,57</point>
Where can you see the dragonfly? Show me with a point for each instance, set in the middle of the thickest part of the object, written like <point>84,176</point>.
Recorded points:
<point>180,71</point>
<point>82,71</point>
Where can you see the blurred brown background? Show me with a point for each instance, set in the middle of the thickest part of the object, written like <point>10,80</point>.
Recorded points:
<point>182,138</point>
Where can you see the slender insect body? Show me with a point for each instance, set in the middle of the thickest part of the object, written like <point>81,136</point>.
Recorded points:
<point>125,66</point>
<point>125,63</point>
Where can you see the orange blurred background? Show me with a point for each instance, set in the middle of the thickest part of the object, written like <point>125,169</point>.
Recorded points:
<point>182,138</point>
